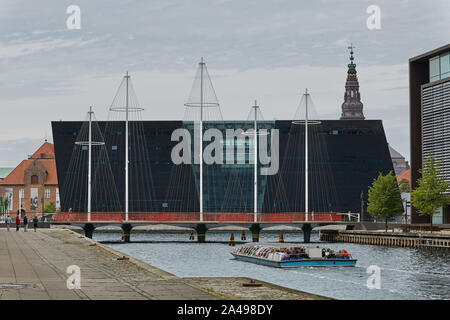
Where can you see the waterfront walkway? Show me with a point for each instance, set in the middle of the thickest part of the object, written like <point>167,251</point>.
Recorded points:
<point>33,266</point>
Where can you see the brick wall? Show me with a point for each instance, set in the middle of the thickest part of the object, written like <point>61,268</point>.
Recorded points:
<point>42,201</point>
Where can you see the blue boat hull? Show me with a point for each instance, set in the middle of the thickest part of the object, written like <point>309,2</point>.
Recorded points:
<point>299,263</point>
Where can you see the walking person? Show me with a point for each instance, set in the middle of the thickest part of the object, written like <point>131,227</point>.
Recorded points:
<point>17,223</point>
<point>35,223</point>
<point>8,222</point>
<point>25,223</point>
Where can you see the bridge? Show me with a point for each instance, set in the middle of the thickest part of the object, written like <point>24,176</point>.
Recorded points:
<point>255,223</point>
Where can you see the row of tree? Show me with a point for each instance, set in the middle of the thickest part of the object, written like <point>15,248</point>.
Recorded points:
<point>384,200</point>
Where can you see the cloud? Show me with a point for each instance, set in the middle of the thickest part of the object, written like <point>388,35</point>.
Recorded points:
<point>16,49</point>
<point>264,49</point>
<point>163,94</point>
<point>15,150</point>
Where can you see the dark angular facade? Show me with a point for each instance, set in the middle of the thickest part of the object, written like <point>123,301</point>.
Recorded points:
<point>345,156</point>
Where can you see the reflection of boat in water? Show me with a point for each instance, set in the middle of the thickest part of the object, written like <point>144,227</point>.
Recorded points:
<point>283,255</point>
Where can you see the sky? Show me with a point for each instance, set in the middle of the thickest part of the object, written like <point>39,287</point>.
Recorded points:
<point>269,50</point>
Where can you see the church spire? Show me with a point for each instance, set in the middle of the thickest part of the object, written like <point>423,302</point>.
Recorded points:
<point>352,108</point>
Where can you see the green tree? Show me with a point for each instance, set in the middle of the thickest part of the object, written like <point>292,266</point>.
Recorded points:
<point>403,185</point>
<point>384,198</point>
<point>430,192</point>
<point>50,207</point>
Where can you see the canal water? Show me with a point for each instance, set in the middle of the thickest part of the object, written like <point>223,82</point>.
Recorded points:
<point>405,273</point>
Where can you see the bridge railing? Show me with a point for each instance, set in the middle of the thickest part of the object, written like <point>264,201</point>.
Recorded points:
<point>278,217</point>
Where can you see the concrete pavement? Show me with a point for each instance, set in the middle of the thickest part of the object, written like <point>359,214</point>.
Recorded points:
<point>33,266</point>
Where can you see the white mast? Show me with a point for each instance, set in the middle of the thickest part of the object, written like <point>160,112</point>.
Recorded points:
<point>89,164</point>
<point>306,156</point>
<point>89,143</point>
<point>201,138</point>
<point>202,88</point>
<point>255,171</point>
<point>127,77</point>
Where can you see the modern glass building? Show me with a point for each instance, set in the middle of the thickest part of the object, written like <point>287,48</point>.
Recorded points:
<point>429,76</point>
<point>345,156</point>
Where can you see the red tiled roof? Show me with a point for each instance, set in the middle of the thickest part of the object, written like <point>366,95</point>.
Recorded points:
<point>17,175</point>
<point>46,151</point>
<point>50,167</point>
<point>47,162</point>
<point>406,174</point>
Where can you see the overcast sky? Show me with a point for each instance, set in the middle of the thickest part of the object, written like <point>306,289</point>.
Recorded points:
<point>269,50</point>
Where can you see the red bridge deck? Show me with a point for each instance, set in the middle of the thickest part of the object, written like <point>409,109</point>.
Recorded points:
<point>194,217</point>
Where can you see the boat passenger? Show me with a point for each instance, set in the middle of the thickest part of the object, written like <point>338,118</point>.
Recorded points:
<point>332,254</point>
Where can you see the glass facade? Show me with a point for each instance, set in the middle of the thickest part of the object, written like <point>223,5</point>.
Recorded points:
<point>440,67</point>
<point>228,187</point>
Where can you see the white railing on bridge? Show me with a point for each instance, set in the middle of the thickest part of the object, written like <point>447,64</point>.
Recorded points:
<point>350,216</point>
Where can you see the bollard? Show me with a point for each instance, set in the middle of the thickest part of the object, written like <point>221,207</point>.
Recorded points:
<point>126,232</point>
<point>255,229</point>
<point>281,237</point>
<point>231,243</point>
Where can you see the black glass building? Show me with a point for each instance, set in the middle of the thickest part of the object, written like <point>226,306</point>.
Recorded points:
<point>345,157</point>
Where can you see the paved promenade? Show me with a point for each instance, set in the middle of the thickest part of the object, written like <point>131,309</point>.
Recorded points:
<point>33,266</point>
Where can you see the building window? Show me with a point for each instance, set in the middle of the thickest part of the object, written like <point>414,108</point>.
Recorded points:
<point>440,67</point>
<point>21,194</point>
<point>84,148</point>
<point>114,148</point>
<point>47,194</point>
<point>445,66</point>
<point>434,69</point>
<point>34,179</point>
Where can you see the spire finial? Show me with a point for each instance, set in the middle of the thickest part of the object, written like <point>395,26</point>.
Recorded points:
<point>351,47</point>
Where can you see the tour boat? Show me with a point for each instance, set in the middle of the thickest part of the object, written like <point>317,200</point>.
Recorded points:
<point>283,255</point>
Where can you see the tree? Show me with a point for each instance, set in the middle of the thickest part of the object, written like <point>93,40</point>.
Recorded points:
<point>384,198</point>
<point>430,192</point>
<point>403,186</point>
<point>50,208</point>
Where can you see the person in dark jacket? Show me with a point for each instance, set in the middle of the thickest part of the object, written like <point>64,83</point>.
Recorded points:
<point>17,223</point>
<point>35,223</point>
<point>25,223</point>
